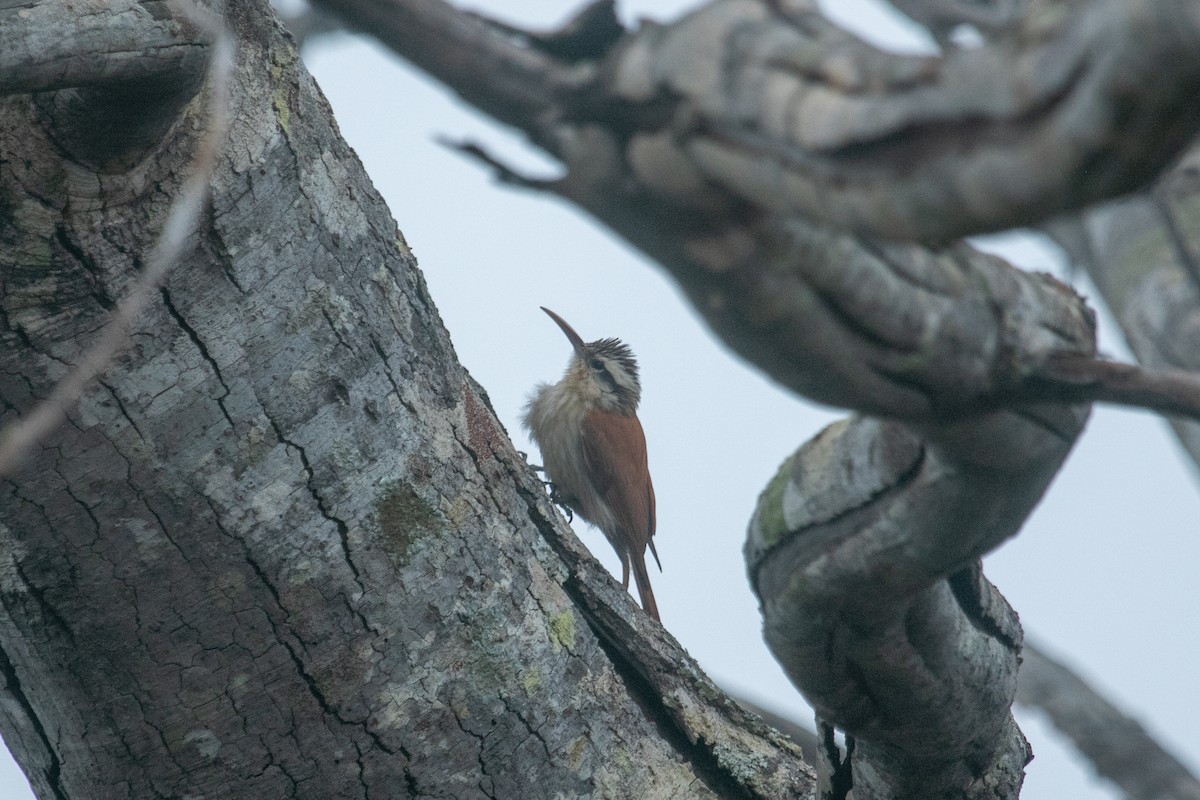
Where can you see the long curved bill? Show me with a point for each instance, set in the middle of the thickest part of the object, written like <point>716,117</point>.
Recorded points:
<point>576,342</point>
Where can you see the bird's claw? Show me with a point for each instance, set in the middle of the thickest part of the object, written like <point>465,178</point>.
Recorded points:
<point>558,500</point>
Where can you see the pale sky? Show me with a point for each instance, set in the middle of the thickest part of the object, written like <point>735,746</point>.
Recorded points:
<point>1103,574</point>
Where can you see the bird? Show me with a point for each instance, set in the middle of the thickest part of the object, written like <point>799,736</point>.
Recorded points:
<point>594,450</point>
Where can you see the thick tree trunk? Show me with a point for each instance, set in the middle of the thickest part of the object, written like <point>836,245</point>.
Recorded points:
<point>770,162</point>
<point>284,549</point>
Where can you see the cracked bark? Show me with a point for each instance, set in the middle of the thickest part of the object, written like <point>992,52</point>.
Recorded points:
<point>284,548</point>
<point>760,155</point>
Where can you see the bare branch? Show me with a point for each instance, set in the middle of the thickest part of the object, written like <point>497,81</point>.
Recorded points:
<point>502,76</point>
<point>1171,392</point>
<point>847,552</point>
<point>789,114</point>
<point>1117,746</point>
<point>1143,254</point>
<point>636,169</point>
<point>503,172</point>
<point>942,17</point>
<point>587,35</point>
<point>22,435</point>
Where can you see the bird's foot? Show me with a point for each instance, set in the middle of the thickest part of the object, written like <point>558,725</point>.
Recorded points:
<point>559,500</point>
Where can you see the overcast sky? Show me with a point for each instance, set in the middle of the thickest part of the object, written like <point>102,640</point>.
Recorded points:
<point>1102,575</point>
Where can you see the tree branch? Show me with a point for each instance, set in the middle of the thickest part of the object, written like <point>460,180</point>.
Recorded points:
<point>1143,254</point>
<point>804,737</point>
<point>798,299</point>
<point>1117,746</point>
<point>488,67</point>
<point>1064,110</point>
<point>847,552</point>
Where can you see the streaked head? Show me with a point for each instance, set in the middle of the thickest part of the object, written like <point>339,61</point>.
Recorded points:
<point>605,370</point>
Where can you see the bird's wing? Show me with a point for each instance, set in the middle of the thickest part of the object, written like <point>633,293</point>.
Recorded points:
<point>615,449</point>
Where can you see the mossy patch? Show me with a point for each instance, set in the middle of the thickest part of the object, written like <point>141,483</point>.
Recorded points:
<point>745,766</point>
<point>531,680</point>
<point>283,75</point>
<point>562,629</point>
<point>772,526</point>
<point>404,518</point>
<point>283,111</point>
<point>575,752</point>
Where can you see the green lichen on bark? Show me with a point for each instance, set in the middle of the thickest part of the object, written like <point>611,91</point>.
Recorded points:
<point>769,521</point>
<point>562,630</point>
<point>403,518</point>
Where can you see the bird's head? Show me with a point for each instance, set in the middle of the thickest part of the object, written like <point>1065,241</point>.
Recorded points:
<point>604,372</point>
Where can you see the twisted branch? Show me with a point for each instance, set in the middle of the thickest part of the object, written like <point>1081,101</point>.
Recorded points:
<point>728,146</point>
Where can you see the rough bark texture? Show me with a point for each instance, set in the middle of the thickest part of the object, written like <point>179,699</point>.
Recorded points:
<point>758,153</point>
<point>57,45</point>
<point>284,549</point>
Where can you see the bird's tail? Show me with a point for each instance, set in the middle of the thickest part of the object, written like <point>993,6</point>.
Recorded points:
<point>642,577</point>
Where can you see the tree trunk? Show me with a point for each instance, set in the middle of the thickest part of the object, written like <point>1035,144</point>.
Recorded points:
<point>806,191</point>
<point>284,548</point>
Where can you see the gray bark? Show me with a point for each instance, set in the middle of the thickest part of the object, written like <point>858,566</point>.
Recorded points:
<point>758,153</point>
<point>284,548</point>
<point>749,101</point>
<point>57,45</point>
<point>942,17</point>
<point>802,735</point>
<point>1143,253</point>
<point>842,549</point>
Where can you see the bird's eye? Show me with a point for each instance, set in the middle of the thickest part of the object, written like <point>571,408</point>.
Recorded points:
<point>597,364</point>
